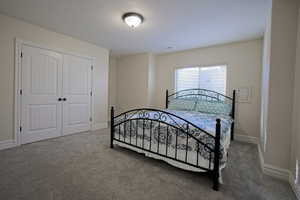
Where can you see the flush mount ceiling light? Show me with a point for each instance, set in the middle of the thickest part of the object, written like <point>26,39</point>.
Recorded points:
<point>133,19</point>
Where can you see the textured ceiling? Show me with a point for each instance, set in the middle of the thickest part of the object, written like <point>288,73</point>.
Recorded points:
<point>180,24</point>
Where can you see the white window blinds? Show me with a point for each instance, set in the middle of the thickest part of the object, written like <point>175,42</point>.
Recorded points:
<point>211,78</point>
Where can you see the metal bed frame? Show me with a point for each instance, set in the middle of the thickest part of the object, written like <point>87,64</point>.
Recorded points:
<point>209,143</point>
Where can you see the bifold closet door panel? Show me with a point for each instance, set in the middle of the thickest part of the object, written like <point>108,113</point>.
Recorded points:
<point>76,94</point>
<point>41,112</point>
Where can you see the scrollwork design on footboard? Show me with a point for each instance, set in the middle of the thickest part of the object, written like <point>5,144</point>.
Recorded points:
<point>167,135</point>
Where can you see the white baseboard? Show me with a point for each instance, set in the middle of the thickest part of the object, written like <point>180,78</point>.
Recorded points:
<point>6,144</point>
<point>271,170</point>
<point>246,138</point>
<point>267,169</point>
<point>98,126</point>
<point>295,188</point>
<point>276,172</point>
<point>279,173</point>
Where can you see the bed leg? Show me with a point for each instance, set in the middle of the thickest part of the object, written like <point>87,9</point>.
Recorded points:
<point>112,112</point>
<point>233,113</point>
<point>167,98</point>
<point>217,156</point>
<point>215,181</point>
<point>232,131</point>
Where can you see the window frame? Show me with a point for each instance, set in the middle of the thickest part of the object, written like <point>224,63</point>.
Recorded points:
<point>200,66</point>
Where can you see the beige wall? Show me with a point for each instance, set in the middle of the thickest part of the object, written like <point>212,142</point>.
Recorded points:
<point>295,150</point>
<point>244,62</point>
<point>136,81</point>
<point>132,82</point>
<point>112,91</point>
<point>151,80</point>
<point>12,28</point>
<point>282,63</point>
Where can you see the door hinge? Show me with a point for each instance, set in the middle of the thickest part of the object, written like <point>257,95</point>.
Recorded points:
<point>92,67</point>
<point>91,119</point>
<point>91,93</point>
<point>21,54</point>
<point>20,128</point>
<point>21,92</point>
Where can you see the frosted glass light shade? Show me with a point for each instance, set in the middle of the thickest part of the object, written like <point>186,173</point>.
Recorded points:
<point>133,19</point>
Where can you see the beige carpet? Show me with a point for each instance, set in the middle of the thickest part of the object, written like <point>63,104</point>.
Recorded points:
<point>82,166</point>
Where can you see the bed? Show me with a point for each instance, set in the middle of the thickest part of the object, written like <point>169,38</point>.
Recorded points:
<point>193,132</point>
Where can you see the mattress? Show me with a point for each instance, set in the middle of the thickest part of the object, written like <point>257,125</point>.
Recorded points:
<point>154,137</point>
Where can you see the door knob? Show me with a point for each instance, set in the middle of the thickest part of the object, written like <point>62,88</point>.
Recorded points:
<point>59,99</point>
<point>64,99</point>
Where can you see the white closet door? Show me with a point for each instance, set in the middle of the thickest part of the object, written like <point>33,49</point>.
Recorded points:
<point>41,88</point>
<point>76,91</point>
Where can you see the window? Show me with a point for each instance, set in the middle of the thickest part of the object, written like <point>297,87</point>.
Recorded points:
<point>211,78</point>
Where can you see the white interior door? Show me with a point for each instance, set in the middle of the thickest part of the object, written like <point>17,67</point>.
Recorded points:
<point>41,87</point>
<point>76,94</point>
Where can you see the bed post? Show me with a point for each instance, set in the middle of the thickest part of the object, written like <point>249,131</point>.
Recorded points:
<point>112,113</point>
<point>233,114</point>
<point>217,156</point>
<point>167,98</point>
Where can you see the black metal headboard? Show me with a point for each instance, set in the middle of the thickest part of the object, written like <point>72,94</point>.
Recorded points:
<point>202,95</point>
<point>199,94</point>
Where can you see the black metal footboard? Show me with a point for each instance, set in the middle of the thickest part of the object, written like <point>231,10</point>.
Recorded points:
<point>169,136</point>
